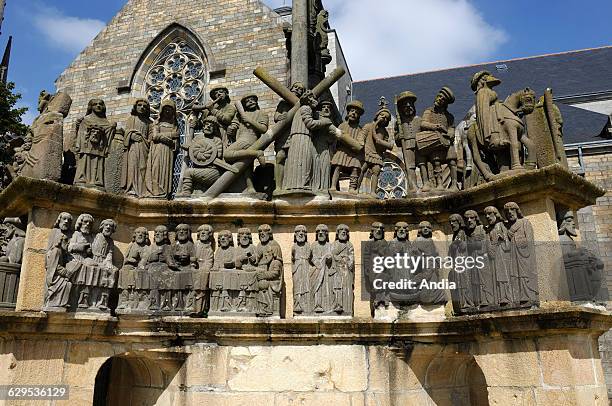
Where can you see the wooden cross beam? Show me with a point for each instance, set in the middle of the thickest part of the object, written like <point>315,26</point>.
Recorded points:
<point>228,178</point>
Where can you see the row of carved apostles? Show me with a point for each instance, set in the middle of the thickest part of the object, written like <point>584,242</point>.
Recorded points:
<point>312,154</point>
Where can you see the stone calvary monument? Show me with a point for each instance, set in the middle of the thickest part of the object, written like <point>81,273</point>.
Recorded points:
<point>175,234</point>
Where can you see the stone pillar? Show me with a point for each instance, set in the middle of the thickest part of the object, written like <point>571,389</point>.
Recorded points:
<point>299,42</point>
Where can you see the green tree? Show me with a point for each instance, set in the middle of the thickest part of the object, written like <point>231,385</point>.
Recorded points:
<point>10,117</point>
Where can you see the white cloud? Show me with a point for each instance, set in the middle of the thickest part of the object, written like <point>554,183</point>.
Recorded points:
<point>71,34</point>
<point>395,37</point>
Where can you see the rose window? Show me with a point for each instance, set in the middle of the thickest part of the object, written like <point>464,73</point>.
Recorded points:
<point>391,182</point>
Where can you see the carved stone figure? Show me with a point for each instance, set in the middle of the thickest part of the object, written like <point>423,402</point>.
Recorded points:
<point>81,262</point>
<point>136,142</point>
<point>206,154</point>
<point>301,259</point>
<point>425,247</point>
<point>461,296</point>
<point>465,161</point>
<point>376,144</point>
<point>16,240</point>
<point>61,228</point>
<point>246,258</point>
<point>205,256</point>
<point>130,282</point>
<point>222,109</point>
<point>225,261</point>
<point>281,143</point>
<point>435,142</point>
<point>523,261</point>
<point>266,240</point>
<point>349,155</point>
<point>483,287</point>
<point>158,270</point>
<point>406,128</point>
<point>58,278</point>
<point>324,141</point>
<point>184,257</point>
<point>20,157</point>
<point>499,130</point>
<point>322,40</point>
<point>251,123</point>
<point>163,147</point>
<point>113,165</point>
<point>584,269</point>
<point>499,252</point>
<point>342,277</point>
<point>322,260</point>
<point>102,249</point>
<point>268,282</point>
<point>300,158</point>
<point>378,247</point>
<point>44,159</point>
<point>91,145</point>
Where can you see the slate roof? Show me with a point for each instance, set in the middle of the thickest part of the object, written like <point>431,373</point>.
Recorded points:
<point>567,74</point>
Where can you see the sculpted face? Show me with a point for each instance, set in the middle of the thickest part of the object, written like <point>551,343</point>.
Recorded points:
<point>378,231</point>
<point>401,231</point>
<point>224,240</point>
<point>322,235</point>
<point>142,107</point>
<point>204,235</point>
<point>244,239</point>
<point>569,223</point>
<point>140,236</point>
<point>425,229</point>
<point>326,110</point>
<point>250,104</point>
<point>408,109</point>
<point>511,215</point>
<point>313,102</point>
<point>471,220</point>
<point>161,234</point>
<point>265,236</point>
<point>440,100</point>
<point>300,235</point>
<point>167,111</point>
<point>86,226</point>
<point>384,119</point>
<point>65,222</point>
<point>98,107</point>
<point>108,229</point>
<point>297,89</point>
<point>455,225</point>
<point>182,234</point>
<point>208,128</point>
<point>491,217</point>
<point>220,94</point>
<point>352,114</point>
<point>342,234</point>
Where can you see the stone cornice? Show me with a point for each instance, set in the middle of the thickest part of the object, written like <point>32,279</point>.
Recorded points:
<point>553,181</point>
<point>167,330</point>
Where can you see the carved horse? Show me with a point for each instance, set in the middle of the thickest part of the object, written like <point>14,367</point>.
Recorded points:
<point>493,158</point>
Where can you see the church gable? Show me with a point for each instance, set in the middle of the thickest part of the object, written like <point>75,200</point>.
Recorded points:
<point>228,37</point>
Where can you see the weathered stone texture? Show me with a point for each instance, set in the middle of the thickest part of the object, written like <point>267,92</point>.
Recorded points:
<point>239,34</point>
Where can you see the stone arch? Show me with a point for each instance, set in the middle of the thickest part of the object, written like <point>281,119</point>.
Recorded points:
<point>130,379</point>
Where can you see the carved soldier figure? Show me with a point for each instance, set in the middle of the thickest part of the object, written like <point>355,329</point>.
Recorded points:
<point>349,156</point>
<point>250,124</point>
<point>483,290</point>
<point>299,166</point>
<point>81,261</point>
<point>342,277</point>
<point>499,252</point>
<point>435,142</point>
<point>425,247</point>
<point>102,250</point>
<point>157,263</point>
<point>16,241</point>
<point>132,295</point>
<point>164,144</point>
<point>462,296</point>
<point>222,109</point>
<point>266,240</point>
<point>301,259</point>
<point>44,159</point>
<point>183,254</point>
<point>319,274</point>
<point>523,261</point>
<point>406,128</point>
<point>206,154</point>
<point>91,145</point>
<point>486,102</point>
<point>136,142</point>
<point>205,255</point>
<point>268,282</point>
<point>376,144</point>
<point>281,144</point>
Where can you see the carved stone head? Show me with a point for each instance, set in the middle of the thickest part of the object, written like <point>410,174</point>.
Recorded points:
<point>322,233</point>
<point>108,227</point>
<point>97,107</point>
<point>141,108</point>
<point>210,126</point>
<point>568,225</point>
<point>512,212</point>
<point>220,94</point>
<point>183,233</point>
<point>444,97</point>
<point>456,222</point>
<point>400,232</point>
<point>84,223</point>
<point>245,237</point>
<point>471,219</point>
<point>141,236</point>
<point>309,99</point>
<point>205,233</point>
<point>492,215</point>
<point>383,117</point>
<point>342,233</point>
<point>326,109</point>
<point>300,234</point>
<point>161,235</point>
<point>249,102</point>
<point>64,222</point>
<point>377,231</point>
<point>225,239</point>
<point>265,233</point>
<point>425,229</point>
<point>298,89</point>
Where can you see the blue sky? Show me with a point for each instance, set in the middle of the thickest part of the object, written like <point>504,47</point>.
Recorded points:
<point>404,35</point>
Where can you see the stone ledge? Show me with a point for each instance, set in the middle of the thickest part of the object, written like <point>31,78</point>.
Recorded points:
<point>512,324</point>
<point>553,181</point>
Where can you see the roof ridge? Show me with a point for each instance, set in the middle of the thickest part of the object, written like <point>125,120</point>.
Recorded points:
<point>486,63</point>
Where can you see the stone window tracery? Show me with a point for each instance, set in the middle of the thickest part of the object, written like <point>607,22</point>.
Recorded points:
<point>392,182</point>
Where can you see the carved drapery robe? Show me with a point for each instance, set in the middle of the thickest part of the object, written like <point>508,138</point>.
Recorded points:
<point>324,142</point>
<point>374,151</point>
<point>301,258</point>
<point>483,283</point>
<point>319,276</point>
<point>427,248</point>
<point>345,156</point>
<point>500,261</point>
<point>462,296</point>
<point>523,262</point>
<point>58,279</point>
<point>160,162</point>
<point>128,273</point>
<point>91,148</point>
<point>343,277</point>
<point>486,114</point>
<point>136,141</point>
